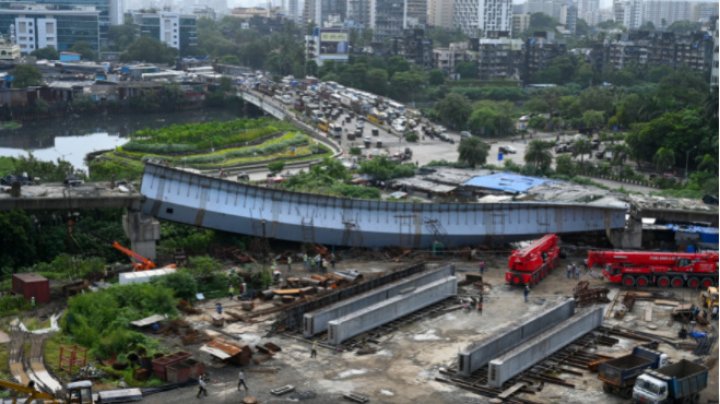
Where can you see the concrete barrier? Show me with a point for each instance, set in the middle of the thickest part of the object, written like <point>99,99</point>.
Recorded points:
<point>480,353</point>
<point>528,354</point>
<point>378,314</point>
<point>317,321</point>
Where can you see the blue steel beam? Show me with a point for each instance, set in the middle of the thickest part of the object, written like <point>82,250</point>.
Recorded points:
<point>185,197</point>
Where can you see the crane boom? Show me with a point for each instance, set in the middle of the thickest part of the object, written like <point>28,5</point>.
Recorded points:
<point>141,263</point>
<point>31,393</point>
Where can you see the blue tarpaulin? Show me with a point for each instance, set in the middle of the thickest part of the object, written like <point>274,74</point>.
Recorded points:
<point>506,182</point>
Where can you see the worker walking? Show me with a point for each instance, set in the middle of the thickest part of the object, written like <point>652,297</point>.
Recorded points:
<point>481,266</point>
<point>202,386</point>
<point>313,350</point>
<point>526,292</point>
<point>577,271</point>
<point>241,381</point>
<point>568,271</point>
<point>289,263</point>
<point>306,261</point>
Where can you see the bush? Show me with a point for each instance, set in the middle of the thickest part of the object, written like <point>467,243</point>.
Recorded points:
<point>182,283</point>
<point>10,305</point>
<point>411,137</point>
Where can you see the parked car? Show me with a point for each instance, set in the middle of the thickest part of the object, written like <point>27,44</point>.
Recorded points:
<point>465,135</point>
<point>507,149</point>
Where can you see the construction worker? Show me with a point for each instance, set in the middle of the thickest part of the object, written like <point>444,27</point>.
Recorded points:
<point>202,386</point>
<point>332,260</point>
<point>241,381</point>
<point>32,302</point>
<point>306,261</point>
<point>568,271</point>
<point>576,269</point>
<point>313,350</point>
<point>526,292</point>
<point>289,263</point>
<point>218,308</point>
<point>481,266</point>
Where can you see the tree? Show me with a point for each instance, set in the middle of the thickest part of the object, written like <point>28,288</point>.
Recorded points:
<point>467,70</point>
<point>26,76</point>
<point>148,49</point>
<point>48,53</point>
<point>593,119</point>
<point>436,77</point>
<point>542,22</point>
<point>473,151</point>
<point>383,169</point>
<point>664,159</point>
<point>84,49</point>
<point>454,111</point>
<point>647,26</point>
<point>275,167</point>
<point>377,81</point>
<point>538,155</point>
<point>490,119</point>
<point>580,148</point>
<point>684,26</point>
<point>181,282</point>
<point>405,85</point>
<point>121,36</point>
<point>564,165</point>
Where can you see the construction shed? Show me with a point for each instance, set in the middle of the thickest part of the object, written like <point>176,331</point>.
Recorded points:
<point>31,285</point>
<point>226,351</point>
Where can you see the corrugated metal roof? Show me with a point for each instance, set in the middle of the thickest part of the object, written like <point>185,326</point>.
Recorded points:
<point>506,182</point>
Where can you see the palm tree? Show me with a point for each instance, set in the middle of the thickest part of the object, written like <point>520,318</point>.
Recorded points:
<point>473,151</point>
<point>538,155</point>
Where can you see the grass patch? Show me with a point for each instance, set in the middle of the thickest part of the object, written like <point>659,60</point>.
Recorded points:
<point>51,354</point>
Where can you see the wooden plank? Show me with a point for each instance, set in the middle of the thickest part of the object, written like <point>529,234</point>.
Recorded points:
<point>648,314</point>
<point>661,302</point>
<point>512,390</point>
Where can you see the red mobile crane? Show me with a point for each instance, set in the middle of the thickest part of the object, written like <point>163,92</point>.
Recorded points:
<point>529,265</point>
<point>140,263</point>
<point>664,269</point>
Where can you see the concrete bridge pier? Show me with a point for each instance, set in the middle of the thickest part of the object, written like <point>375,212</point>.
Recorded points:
<point>143,231</point>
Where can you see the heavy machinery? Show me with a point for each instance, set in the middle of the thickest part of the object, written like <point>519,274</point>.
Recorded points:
<point>709,298</point>
<point>618,375</point>
<point>140,263</point>
<point>75,393</point>
<point>529,265</point>
<point>680,382</point>
<point>664,269</point>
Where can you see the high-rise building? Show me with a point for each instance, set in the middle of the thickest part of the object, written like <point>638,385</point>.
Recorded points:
<point>36,26</point>
<point>520,23</point>
<point>360,13</point>
<point>440,13</point>
<point>105,8</point>
<point>320,11</point>
<point>480,18</point>
<point>175,30</point>
<point>648,49</point>
<point>568,17</point>
<point>662,13</point>
<point>389,18</point>
<point>327,45</point>
<point>588,11</point>
<point>629,13</point>
<point>549,7</point>
<point>715,57</point>
<point>705,11</point>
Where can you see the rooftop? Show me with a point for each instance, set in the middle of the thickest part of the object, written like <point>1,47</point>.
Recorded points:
<point>506,182</point>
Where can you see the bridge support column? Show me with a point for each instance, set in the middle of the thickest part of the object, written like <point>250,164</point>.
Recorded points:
<point>143,232</point>
<point>630,236</point>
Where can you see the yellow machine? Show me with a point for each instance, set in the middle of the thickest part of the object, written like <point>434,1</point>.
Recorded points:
<point>77,393</point>
<point>709,297</point>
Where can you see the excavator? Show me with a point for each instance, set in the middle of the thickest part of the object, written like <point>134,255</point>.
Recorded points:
<point>75,393</point>
<point>140,263</point>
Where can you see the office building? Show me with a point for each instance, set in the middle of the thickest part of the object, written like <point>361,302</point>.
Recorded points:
<point>662,13</point>
<point>175,30</point>
<point>327,45</point>
<point>111,11</point>
<point>35,26</point>
<point>440,13</point>
<point>360,13</point>
<point>389,18</point>
<point>568,17</point>
<point>481,18</point>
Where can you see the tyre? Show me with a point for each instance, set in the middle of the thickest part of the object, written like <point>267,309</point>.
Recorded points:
<point>628,281</point>
<point>693,283</point>
<point>677,282</point>
<point>642,281</point>
<point>663,282</point>
<point>706,283</point>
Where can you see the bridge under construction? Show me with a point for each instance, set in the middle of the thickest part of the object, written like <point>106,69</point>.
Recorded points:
<point>181,196</point>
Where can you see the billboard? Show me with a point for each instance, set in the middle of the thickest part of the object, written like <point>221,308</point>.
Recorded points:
<point>333,43</point>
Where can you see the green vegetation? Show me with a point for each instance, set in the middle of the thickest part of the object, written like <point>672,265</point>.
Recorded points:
<point>473,151</point>
<point>100,321</point>
<point>383,169</point>
<point>329,178</point>
<point>47,171</point>
<point>26,76</point>
<point>67,267</point>
<point>212,145</point>
<point>11,305</point>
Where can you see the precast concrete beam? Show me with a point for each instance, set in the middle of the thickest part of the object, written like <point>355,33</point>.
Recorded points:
<point>528,354</point>
<point>378,314</point>
<point>317,321</point>
<point>480,353</point>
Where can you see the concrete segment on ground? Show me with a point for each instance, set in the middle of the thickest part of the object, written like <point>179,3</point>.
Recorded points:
<point>528,354</point>
<point>317,321</point>
<point>381,313</point>
<point>479,354</point>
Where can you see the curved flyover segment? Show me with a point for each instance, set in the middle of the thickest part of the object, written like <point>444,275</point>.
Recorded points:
<point>181,196</point>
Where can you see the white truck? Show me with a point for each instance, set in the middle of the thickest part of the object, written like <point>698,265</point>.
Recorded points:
<point>680,382</point>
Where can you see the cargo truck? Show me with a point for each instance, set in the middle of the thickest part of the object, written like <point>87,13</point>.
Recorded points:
<point>618,375</point>
<point>680,382</point>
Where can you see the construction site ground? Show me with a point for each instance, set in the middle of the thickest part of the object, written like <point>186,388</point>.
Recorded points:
<point>407,361</point>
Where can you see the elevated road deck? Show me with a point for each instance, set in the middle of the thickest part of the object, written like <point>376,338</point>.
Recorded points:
<point>56,196</point>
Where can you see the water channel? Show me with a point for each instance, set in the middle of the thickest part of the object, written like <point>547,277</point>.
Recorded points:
<point>74,137</point>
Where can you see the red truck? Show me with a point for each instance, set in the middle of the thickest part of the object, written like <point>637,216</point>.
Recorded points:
<point>529,265</point>
<point>654,268</point>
